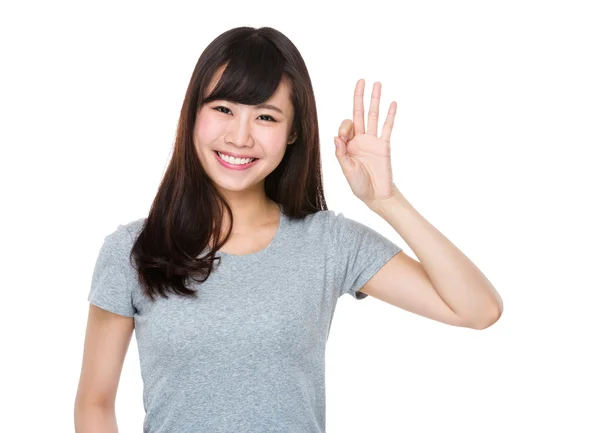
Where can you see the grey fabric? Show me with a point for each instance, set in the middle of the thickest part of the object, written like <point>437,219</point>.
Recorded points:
<point>249,354</point>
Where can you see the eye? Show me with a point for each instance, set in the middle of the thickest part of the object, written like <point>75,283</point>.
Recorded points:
<point>217,108</point>
<point>271,119</point>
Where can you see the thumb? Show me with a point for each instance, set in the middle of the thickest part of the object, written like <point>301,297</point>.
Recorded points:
<point>340,149</point>
<point>342,155</point>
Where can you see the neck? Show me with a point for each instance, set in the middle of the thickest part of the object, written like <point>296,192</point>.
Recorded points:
<point>251,215</point>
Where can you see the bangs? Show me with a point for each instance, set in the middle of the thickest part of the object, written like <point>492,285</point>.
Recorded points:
<point>252,75</point>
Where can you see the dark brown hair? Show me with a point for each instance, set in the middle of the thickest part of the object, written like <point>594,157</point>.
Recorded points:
<point>187,212</point>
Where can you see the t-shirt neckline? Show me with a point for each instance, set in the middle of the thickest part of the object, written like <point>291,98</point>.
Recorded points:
<point>276,239</point>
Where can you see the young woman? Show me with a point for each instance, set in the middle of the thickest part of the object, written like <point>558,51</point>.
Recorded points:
<point>232,280</point>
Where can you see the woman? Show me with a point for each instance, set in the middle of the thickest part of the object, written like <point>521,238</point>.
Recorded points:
<point>232,280</point>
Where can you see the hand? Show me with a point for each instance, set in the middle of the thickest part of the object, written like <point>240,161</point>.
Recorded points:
<point>364,158</point>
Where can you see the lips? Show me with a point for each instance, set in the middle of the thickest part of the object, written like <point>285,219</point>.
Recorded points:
<point>235,155</point>
<point>235,166</point>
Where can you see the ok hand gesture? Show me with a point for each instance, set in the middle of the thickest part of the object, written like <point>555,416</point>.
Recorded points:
<point>364,157</point>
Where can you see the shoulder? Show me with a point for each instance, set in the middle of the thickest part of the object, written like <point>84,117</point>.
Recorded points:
<point>134,227</point>
<point>330,222</point>
<point>331,226</point>
<point>337,222</point>
<point>124,234</point>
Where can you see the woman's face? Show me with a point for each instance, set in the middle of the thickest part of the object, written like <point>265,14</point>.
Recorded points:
<point>255,131</point>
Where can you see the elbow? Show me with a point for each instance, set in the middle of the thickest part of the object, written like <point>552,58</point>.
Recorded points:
<point>492,318</point>
<point>90,417</point>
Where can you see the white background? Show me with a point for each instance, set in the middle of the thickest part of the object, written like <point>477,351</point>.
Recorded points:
<point>495,143</point>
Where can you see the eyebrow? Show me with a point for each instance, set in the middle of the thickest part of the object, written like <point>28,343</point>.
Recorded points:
<point>270,107</point>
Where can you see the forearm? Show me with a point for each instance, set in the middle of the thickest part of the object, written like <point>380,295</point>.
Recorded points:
<point>458,281</point>
<point>94,418</point>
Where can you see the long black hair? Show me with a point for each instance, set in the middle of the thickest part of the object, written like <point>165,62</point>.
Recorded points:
<point>187,212</point>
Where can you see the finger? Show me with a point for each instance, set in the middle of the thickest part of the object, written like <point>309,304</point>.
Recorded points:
<point>373,116</point>
<point>358,112</point>
<point>349,133</point>
<point>386,129</point>
<point>345,129</point>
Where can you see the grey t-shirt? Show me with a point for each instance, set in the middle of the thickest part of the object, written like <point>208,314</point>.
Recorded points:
<point>249,354</point>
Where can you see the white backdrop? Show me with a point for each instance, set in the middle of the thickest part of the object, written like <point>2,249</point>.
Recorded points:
<point>495,143</point>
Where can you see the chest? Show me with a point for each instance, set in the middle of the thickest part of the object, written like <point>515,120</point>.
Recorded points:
<point>276,306</point>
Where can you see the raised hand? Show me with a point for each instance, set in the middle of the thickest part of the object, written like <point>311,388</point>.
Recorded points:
<point>365,158</point>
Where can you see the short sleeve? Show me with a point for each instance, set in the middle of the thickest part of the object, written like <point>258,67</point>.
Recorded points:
<point>113,275</point>
<point>360,252</point>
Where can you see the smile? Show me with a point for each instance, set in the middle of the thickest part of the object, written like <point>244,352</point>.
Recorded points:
<point>229,162</point>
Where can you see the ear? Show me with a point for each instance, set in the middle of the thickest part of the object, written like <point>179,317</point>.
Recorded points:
<point>293,137</point>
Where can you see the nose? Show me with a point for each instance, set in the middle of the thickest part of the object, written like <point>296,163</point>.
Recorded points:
<point>239,132</point>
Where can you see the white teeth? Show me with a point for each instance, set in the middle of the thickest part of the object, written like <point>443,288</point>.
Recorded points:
<point>232,160</point>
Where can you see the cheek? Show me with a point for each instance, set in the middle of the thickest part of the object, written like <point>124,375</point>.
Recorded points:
<point>205,131</point>
<point>273,140</point>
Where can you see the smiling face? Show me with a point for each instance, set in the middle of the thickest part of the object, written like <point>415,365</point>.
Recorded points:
<point>256,131</point>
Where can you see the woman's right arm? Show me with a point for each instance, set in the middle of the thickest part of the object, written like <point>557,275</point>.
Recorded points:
<point>107,339</point>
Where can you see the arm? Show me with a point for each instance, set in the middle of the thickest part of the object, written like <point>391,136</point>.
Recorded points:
<point>457,281</point>
<point>106,342</point>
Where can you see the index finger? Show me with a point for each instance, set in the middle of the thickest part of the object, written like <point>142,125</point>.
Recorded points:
<point>359,111</point>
